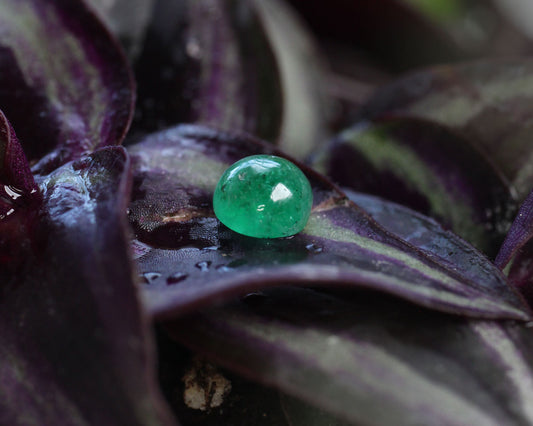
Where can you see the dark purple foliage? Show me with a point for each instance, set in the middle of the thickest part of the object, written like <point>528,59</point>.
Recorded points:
<point>516,253</point>
<point>19,197</point>
<point>488,102</point>
<point>369,359</point>
<point>428,168</point>
<point>220,70</point>
<point>67,89</point>
<point>374,312</point>
<point>75,346</point>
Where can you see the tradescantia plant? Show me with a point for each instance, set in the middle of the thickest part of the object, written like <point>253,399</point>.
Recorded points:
<point>114,269</point>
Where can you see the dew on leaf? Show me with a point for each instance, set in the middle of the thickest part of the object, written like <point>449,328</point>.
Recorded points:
<point>149,277</point>
<point>204,265</point>
<point>177,278</point>
<point>313,248</point>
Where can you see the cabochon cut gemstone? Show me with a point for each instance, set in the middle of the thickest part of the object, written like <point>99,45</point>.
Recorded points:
<point>263,196</point>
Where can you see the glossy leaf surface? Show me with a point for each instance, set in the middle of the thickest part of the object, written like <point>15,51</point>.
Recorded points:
<point>373,360</point>
<point>20,198</point>
<point>488,102</point>
<point>18,188</point>
<point>429,236</point>
<point>188,259</point>
<point>65,84</point>
<point>428,168</point>
<point>74,344</point>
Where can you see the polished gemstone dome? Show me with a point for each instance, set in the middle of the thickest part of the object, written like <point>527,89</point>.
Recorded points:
<point>263,196</point>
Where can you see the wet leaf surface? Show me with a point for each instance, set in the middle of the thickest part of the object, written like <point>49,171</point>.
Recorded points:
<point>429,236</point>
<point>75,348</point>
<point>65,84</point>
<point>19,197</point>
<point>188,259</point>
<point>372,360</point>
<point>428,168</point>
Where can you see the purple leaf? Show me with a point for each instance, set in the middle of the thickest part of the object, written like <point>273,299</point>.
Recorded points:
<point>239,66</point>
<point>65,83</point>
<point>188,259</point>
<point>428,168</point>
<point>75,348</point>
<point>429,236</point>
<point>19,196</point>
<point>488,102</point>
<point>210,62</point>
<point>14,168</point>
<point>372,360</point>
<point>516,253</point>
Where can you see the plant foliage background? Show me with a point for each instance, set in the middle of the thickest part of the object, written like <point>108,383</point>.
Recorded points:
<point>405,300</point>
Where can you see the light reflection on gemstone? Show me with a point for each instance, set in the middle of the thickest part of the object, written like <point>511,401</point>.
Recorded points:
<point>280,192</point>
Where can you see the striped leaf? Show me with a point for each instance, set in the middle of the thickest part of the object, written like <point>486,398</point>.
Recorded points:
<point>19,197</point>
<point>74,344</point>
<point>209,62</point>
<point>237,65</point>
<point>372,360</point>
<point>429,236</point>
<point>188,259</point>
<point>488,102</point>
<point>428,168</point>
<point>65,84</point>
<point>516,252</point>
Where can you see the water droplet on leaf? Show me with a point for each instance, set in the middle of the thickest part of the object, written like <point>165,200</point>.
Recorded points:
<point>149,277</point>
<point>313,248</point>
<point>177,278</point>
<point>204,265</point>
